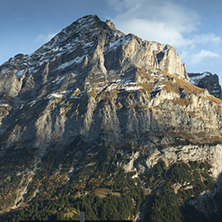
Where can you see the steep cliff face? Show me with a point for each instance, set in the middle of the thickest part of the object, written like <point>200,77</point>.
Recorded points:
<point>97,90</point>
<point>207,81</point>
<point>88,45</point>
<point>94,81</point>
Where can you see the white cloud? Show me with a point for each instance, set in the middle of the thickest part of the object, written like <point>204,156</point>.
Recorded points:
<point>44,38</point>
<point>202,55</point>
<point>154,31</point>
<point>203,39</point>
<point>168,22</point>
<point>207,38</point>
<point>162,21</point>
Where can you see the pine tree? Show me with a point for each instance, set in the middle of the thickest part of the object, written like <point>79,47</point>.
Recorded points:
<point>166,207</point>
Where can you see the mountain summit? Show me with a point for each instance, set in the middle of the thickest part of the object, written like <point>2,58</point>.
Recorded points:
<point>95,97</point>
<point>208,81</point>
<point>87,61</point>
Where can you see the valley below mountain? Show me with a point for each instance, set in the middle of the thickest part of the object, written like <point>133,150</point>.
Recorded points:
<point>110,124</point>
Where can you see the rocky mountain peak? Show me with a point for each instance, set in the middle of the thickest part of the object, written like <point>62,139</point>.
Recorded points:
<point>90,64</point>
<point>87,45</point>
<point>208,81</point>
<point>110,24</point>
<point>85,29</point>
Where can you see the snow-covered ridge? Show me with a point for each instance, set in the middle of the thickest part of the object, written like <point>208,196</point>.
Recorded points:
<point>58,46</point>
<point>20,73</point>
<point>195,79</point>
<point>4,105</point>
<point>67,64</point>
<point>158,78</point>
<point>159,47</point>
<point>128,86</point>
<point>58,94</point>
<point>119,42</point>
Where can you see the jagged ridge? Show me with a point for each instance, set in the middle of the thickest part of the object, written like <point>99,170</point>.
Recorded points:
<point>208,81</point>
<point>82,63</point>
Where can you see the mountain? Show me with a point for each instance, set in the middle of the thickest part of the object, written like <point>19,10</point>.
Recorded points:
<point>97,116</point>
<point>208,81</point>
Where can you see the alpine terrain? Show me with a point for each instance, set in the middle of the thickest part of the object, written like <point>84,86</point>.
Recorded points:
<point>110,124</point>
<point>207,80</point>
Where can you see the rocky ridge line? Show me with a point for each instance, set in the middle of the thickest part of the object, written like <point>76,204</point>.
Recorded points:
<point>207,81</point>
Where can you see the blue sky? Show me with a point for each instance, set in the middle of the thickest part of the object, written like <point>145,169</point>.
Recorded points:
<point>193,27</point>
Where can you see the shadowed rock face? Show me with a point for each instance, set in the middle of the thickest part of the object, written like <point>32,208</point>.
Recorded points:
<point>93,81</point>
<point>207,81</point>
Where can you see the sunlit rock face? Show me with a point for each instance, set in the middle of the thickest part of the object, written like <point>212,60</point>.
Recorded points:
<point>92,80</point>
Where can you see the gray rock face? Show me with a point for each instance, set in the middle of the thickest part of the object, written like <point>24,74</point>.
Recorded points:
<point>83,77</point>
<point>93,81</point>
<point>207,81</point>
<point>88,45</point>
